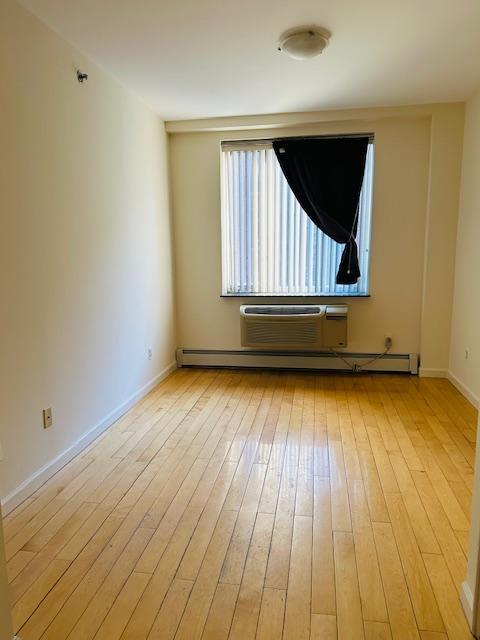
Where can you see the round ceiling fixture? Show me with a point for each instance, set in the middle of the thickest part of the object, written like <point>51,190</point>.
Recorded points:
<point>301,43</point>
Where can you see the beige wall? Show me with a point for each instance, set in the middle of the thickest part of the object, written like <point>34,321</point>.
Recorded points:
<point>414,213</point>
<point>466,310</point>
<point>6,631</point>
<point>465,372</point>
<point>85,246</point>
<point>446,143</point>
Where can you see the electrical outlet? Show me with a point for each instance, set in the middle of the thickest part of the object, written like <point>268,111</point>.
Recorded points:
<point>149,353</point>
<point>388,341</point>
<point>47,418</point>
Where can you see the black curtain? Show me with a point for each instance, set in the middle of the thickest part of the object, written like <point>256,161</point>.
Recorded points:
<point>326,176</point>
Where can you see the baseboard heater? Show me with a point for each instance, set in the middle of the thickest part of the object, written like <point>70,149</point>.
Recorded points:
<point>319,360</point>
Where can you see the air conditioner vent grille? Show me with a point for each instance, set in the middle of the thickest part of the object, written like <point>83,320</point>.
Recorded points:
<point>306,333</point>
<point>278,310</point>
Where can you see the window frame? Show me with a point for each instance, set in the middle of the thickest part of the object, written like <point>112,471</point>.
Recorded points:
<point>249,144</point>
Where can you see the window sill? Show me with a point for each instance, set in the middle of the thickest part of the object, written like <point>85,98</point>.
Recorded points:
<point>295,295</point>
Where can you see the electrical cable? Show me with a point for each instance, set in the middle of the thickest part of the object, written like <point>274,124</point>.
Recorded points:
<point>357,368</point>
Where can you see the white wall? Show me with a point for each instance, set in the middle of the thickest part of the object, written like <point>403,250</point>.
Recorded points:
<point>414,212</point>
<point>85,246</point>
<point>466,310</point>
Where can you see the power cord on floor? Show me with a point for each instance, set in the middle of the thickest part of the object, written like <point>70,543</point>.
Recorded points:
<point>357,368</point>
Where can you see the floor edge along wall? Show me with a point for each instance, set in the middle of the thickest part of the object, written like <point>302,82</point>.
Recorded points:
<point>31,484</point>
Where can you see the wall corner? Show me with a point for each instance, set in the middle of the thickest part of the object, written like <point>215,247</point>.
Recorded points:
<point>446,146</point>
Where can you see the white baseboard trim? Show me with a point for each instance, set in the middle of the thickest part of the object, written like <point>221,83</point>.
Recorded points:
<point>466,598</point>
<point>464,390</point>
<point>35,481</point>
<point>425,372</point>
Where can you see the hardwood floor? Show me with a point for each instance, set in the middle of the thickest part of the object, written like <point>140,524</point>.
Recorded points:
<point>241,505</point>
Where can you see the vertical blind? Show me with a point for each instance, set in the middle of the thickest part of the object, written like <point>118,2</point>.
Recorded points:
<point>269,244</point>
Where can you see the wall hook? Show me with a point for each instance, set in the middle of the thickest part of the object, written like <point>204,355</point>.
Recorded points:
<point>81,77</point>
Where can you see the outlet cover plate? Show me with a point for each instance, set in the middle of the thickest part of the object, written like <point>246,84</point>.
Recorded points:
<point>47,418</point>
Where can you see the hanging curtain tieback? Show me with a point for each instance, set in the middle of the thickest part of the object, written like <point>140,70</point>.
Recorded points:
<point>351,242</point>
<point>349,270</point>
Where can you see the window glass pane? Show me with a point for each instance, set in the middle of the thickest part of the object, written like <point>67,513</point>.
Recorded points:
<point>269,244</point>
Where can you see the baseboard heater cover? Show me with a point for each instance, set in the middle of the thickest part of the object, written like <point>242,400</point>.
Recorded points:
<point>325,361</point>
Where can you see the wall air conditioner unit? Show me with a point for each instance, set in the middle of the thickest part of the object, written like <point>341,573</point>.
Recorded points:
<point>294,326</point>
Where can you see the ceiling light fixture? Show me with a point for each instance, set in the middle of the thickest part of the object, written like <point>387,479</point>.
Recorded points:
<point>301,43</point>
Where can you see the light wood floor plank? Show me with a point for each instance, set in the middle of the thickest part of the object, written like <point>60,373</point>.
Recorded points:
<point>119,614</point>
<point>43,558</point>
<point>299,592</point>
<point>98,608</point>
<point>400,610</point>
<point>219,620</point>
<point>377,631</point>
<point>452,551</point>
<point>324,627</point>
<point>249,600</point>
<point>447,598</point>
<point>198,606</point>
<point>272,613</point>
<point>424,534</point>
<point>338,485</point>
<point>171,611</point>
<point>256,506</point>
<point>55,600</point>
<point>433,635</point>
<point>349,610</point>
<point>370,582</point>
<point>279,558</point>
<point>18,563</point>
<point>421,594</point>
<point>323,572</point>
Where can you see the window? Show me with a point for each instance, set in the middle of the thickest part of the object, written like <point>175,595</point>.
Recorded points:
<point>269,244</point>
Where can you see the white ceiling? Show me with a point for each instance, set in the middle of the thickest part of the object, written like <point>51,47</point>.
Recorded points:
<point>202,58</point>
